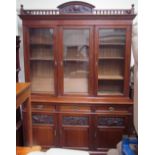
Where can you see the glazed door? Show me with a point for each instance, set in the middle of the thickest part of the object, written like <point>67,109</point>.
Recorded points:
<point>76,58</point>
<point>42,60</point>
<point>112,61</point>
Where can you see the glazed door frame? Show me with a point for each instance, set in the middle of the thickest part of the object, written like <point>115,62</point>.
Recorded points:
<point>127,57</point>
<point>26,44</point>
<point>61,64</point>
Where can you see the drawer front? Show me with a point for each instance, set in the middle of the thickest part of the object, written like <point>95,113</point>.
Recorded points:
<point>75,108</point>
<point>114,108</point>
<point>43,106</point>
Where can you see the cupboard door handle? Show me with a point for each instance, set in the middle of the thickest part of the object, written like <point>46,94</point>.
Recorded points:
<point>55,133</point>
<point>111,108</point>
<point>95,135</point>
<point>61,63</point>
<point>55,63</point>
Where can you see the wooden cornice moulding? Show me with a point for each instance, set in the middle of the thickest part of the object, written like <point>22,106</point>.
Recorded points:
<point>78,8</point>
<point>75,7</point>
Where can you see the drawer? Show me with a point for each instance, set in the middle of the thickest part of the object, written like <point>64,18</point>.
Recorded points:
<point>75,108</point>
<point>42,106</point>
<point>113,108</point>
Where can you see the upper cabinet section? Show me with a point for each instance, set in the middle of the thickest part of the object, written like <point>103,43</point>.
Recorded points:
<point>78,51</point>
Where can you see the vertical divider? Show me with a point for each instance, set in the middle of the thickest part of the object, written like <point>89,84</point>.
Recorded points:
<point>60,60</point>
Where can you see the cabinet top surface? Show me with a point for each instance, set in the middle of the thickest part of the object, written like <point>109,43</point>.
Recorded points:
<point>81,100</point>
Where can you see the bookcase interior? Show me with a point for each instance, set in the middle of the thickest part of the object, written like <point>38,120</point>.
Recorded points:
<point>113,87</point>
<point>42,76</point>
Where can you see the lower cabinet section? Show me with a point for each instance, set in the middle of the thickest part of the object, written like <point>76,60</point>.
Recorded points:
<point>93,128</point>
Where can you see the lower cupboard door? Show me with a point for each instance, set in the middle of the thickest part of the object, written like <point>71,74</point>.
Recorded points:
<point>75,137</point>
<point>108,137</point>
<point>43,136</point>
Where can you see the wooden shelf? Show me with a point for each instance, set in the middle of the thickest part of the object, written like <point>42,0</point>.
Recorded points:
<point>41,59</point>
<point>101,92</point>
<point>112,44</point>
<point>110,77</point>
<point>76,59</point>
<point>111,58</point>
<point>110,93</point>
<point>41,44</point>
<point>43,92</point>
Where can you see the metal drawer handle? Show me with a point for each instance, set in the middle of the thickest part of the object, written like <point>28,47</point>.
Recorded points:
<point>111,108</point>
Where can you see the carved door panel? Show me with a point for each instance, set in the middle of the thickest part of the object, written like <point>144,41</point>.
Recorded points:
<point>109,131</point>
<point>44,129</point>
<point>75,131</point>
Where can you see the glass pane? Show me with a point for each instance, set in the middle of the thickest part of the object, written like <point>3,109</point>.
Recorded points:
<point>76,60</point>
<point>41,60</point>
<point>111,61</point>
